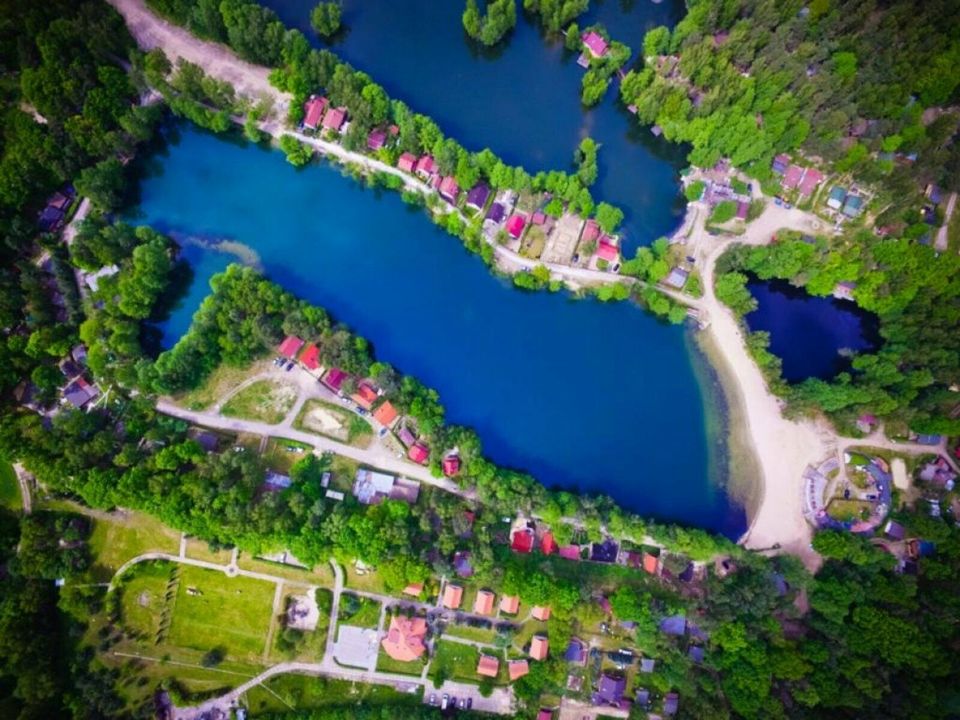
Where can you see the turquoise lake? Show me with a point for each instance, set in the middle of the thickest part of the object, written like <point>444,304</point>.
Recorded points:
<point>599,397</point>
<point>522,98</point>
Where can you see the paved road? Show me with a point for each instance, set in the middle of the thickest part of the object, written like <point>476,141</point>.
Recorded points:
<point>26,480</point>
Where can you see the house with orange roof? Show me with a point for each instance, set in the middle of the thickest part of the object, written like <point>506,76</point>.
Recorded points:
<point>365,395</point>
<point>452,596</point>
<point>541,612</point>
<point>510,604</point>
<point>404,640</point>
<point>413,589</point>
<point>483,605</point>
<point>538,647</point>
<point>548,545</point>
<point>488,666</point>
<point>517,669</point>
<point>386,414</point>
<point>651,563</point>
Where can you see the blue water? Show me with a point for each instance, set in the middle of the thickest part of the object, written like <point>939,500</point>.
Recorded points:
<point>522,99</point>
<point>601,397</point>
<point>811,335</point>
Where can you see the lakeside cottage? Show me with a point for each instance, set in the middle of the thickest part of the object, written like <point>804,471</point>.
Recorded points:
<point>335,378</point>
<point>837,197</point>
<point>449,190</point>
<point>591,231</point>
<point>407,162</point>
<point>385,414</point>
<point>515,226</point>
<point>496,213</point>
<point>426,167</point>
<point>677,278</point>
<point>595,43</point>
<point>313,112</point>
<point>478,195</point>
<point>376,140</point>
<point>290,346</point>
<point>335,119</point>
<point>419,453</point>
<point>310,358</point>
<point>451,465</point>
<point>606,250</point>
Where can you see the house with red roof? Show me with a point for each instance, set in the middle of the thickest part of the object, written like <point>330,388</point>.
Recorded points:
<point>405,637</point>
<point>386,414</point>
<point>548,545</point>
<point>335,119</point>
<point>606,250</point>
<point>376,140</point>
<point>510,604</point>
<point>426,166</point>
<point>651,563</point>
<point>290,346</point>
<point>591,231</point>
<point>452,596</point>
<point>541,613</point>
<point>335,378</point>
<point>313,112</point>
<point>365,396</point>
<point>413,589</point>
<point>310,358</point>
<point>449,190</point>
<point>570,552</point>
<point>521,540</point>
<point>515,225</point>
<point>488,666</point>
<point>407,162</point>
<point>545,714</point>
<point>451,465</point>
<point>419,453</point>
<point>792,177</point>
<point>595,43</point>
<point>811,179</point>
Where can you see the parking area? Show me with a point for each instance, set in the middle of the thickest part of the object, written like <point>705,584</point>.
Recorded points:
<point>356,647</point>
<point>460,695</point>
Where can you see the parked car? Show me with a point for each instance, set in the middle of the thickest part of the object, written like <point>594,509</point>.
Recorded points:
<point>289,366</point>
<point>469,703</point>
<point>445,702</point>
<point>463,703</point>
<point>432,700</point>
<point>777,201</point>
<point>360,411</point>
<point>383,431</point>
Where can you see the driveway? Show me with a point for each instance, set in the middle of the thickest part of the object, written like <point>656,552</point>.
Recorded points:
<point>500,701</point>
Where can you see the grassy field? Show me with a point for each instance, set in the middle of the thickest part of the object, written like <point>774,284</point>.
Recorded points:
<point>217,384</point>
<point>311,648</point>
<point>268,401</point>
<point>304,693</point>
<point>9,487</point>
<point>848,509</point>
<point>370,581</point>
<point>320,575</point>
<point>229,613</point>
<point>200,550</point>
<point>470,633</point>
<point>459,662</point>
<point>385,663</point>
<point>281,454</point>
<point>366,614</point>
<point>115,541</point>
<point>146,598</point>
<point>533,242</point>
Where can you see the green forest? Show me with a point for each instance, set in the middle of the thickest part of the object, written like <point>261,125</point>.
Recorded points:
<point>857,639</point>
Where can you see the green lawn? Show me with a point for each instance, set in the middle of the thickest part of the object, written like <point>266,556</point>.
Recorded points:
<point>268,401</point>
<point>364,612</point>
<point>320,575</point>
<point>229,613</point>
<point>200,550</point>
<point>305,693</point>
<point>9,487</point>
<point>352,428</point>
<point>470,633</point>
<point>217,384</point>
<point>115,541</point>
<point>459,662</point>
<point>385,663</point>
<point>281,454</point>
<point>144,598</point>
<point>848,509</point>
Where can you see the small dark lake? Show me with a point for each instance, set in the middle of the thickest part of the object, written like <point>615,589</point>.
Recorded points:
<point>813,336</point>
<point>522,98</point>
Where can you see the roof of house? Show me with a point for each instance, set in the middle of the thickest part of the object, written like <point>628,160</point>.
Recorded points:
<point>413,589</point>
<point>277,480</point>
<point>677,277</point>
<point>651,563</point>
<point>576,651</point>
<point>696,654</point>
<point>404,640</point>
<point>548,545</point>
<point>518,668</point>
<point>605,551</point>
<point>461,563</point>
<point>895,530</point>
<point>742,209</point>
<point>811,178</point>
<point>541,612</point>
<point>484,603</point>
<point>510,604</point>
<point>595,42</point>
<point>365,395</point>
<point>591,230</point>
<point>290,346</point>
<point>488,666</point>
<point>449,187</point>
<point>452,596</point>
<point>607,250</point>
<point>609,690</point>
<point>539,218</point>
<point>385,414</point>
<point>545,714</point>
<point>570,552</point>
<point>522,541</point>
<point>407,162</point>
<point>310,357</point>
<point>451,465</point>
<point>426,165</point>
<point>792,177</point>
<point>538,647</point>
<point>419,453</point>
<point>496,212</point>
<point>838,193</point>
<point>478,195</point>
<point>313,111</point>
<point>376,139</point>
<point>406,437</point>
<point>671,703</point>
<point>335,118</point>
<point>515,225</point>
<point>674,625</point>
<point>647,665</point>
<point>334,378</point>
